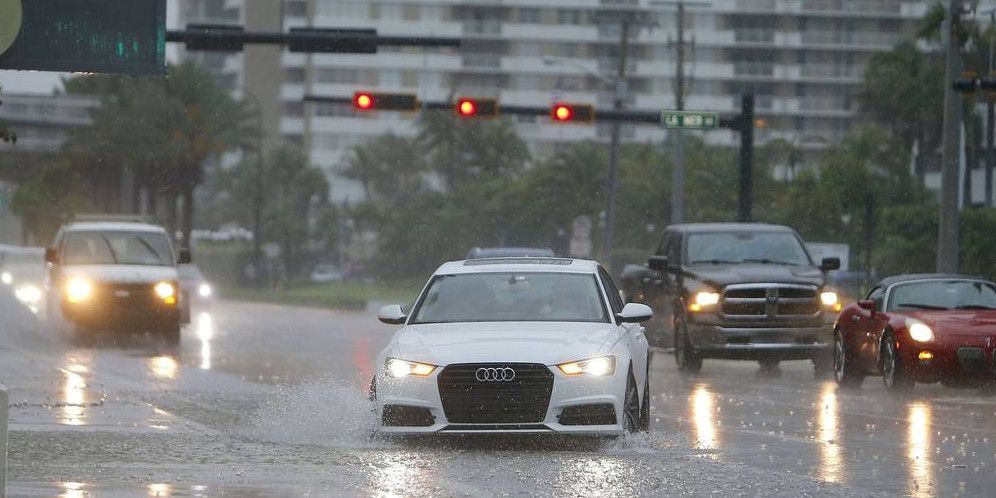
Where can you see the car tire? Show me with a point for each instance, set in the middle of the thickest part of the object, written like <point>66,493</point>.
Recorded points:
<point>631,405</point>
<point>645,404</point>
<point>845,372</point>
<point>170,334</point>
<point>893,372</point>
<point>685,356</point>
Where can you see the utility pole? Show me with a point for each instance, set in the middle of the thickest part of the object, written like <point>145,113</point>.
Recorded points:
<point>947,233</point>
<point>678,174</point>
<point>746,204</point>
<point>990,124</point>
<point>257,205</point>
<point>618,102</point>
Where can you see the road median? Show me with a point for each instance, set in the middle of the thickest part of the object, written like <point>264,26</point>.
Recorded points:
<point>340,296</point>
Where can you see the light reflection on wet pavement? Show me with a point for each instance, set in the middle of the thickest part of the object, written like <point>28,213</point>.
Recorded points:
<point>143,420</point>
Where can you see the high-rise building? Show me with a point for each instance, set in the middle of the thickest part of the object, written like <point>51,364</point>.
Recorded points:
<point>804,60</point>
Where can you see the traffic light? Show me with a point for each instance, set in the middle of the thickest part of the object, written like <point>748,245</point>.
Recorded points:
<point>467,107</point>
<point>563,113</point>
<point>373,101</point>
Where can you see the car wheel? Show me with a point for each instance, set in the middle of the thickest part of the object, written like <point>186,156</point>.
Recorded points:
<point>845,371</point>
<point>685,355</point>
<point>893,374</point>
<point>645,404</point>
<point>631,406</point>
<point>170,334</point>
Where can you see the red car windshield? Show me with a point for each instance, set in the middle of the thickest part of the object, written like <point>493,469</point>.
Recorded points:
<point>943,295</point>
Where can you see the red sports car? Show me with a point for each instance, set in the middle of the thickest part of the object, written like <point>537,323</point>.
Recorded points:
<point>919,328</point>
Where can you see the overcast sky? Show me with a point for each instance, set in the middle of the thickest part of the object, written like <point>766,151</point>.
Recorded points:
<point>46,82</point>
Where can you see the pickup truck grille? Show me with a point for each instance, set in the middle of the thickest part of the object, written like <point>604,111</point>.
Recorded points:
<point>769,300</point>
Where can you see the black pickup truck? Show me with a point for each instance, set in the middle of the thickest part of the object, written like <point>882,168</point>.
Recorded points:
<point>742,291</point>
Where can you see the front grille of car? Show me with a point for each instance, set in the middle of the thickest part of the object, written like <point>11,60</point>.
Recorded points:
<point>769,300</point>
<point>593,414</point>
<point>407,416</point>
<point>522,400</point>
<point>125,295</point>
<point>971,359</point>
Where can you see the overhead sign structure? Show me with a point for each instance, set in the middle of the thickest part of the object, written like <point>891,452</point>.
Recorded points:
<point>689,120</point>
<point>103,36</point>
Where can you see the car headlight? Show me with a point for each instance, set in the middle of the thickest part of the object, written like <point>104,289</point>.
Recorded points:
<point>401,368</point>
<point>919,331</point>
<point>78,289</point>
<point>204,290</point>
<point>28,294</point>
<point>166,292</point>
<point>830,299</point>
<point>6,277</point>
<point>703,300</point>
<point>603,365</point>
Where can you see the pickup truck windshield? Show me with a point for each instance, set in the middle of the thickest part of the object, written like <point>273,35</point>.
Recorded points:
<point>121,248</point>
<point>746,247</point>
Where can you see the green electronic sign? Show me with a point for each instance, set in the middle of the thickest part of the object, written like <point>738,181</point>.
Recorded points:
<point>100,36</point>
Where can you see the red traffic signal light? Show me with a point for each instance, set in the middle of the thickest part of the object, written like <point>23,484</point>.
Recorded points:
<point>371,101</point>
<point>563,113</point>
<point>467,107</point>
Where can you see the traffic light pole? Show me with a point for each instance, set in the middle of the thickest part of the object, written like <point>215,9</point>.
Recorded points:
<point>613,181</point>
<point>947,233</point>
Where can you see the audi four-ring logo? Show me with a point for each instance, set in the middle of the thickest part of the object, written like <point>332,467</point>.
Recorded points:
<point>494,374</point>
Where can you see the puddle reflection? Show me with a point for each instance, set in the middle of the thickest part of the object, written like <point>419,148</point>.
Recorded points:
<point>595,477</point>
<point>72,490</point>
<point>399,476</point>
<point>831,467</point>
<point>703,407</point>
<point>918,450</point>
<point>163,367</point>
<point>160,490</point>
<point>72,409</point>
<point>205,332</point>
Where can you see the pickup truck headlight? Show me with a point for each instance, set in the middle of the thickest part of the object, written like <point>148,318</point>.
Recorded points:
<point>831,300</point>
<point>703,300</point>
<point>166,292</point>
<point>78,289</point>
<point>6,277</point>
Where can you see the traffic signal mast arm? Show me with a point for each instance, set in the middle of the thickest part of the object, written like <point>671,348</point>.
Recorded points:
<point>329,40</point>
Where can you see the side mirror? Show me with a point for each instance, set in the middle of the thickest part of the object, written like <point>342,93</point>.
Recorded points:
<point>635,313</point>
<point>830,264</point>
<point>392,314</point>
<point>183,257</point>
<point>869,305</point>
<point>50,255</point>
<point>658,263</point>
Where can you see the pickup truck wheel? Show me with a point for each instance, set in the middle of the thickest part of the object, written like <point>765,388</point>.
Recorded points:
<point>685,356</point>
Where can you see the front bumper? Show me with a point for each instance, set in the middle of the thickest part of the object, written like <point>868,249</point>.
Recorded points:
<point>967,359</point>
<point>780,342</point>
<point>567,392</point>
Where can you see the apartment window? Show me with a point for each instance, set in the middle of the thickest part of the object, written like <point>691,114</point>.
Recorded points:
<point>409,78</point>
<point>569,16</point>
<point>410,12</point>
<point>344,8</point>
<point>390,11</point>
<point>295,8</point>
<point>390,78</point>
<point>337,75</point>
<point>294,75</point>
<point>432,13</point>
<point>529,15</point>
<point>294,109</point>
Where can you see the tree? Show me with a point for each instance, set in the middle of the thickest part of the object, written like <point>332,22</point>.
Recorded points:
<point>390,168</point>
<point>463,150</point>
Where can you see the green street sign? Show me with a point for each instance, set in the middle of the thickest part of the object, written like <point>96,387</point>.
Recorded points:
<point>101,36</point>
<point>689,120</point>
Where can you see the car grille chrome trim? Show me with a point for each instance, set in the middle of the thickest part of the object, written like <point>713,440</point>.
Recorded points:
<point>521,400</point>
<point>769,301</point>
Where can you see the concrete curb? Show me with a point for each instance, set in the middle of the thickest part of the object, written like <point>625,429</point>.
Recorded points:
<point>3,441</point>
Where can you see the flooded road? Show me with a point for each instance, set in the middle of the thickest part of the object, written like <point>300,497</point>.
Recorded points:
<point>263,400</point>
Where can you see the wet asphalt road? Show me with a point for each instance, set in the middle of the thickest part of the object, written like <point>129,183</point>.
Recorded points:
<point>263,400</point>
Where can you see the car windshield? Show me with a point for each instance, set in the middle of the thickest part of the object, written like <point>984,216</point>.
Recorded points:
<point>943,295</point>
<point>512,297</point>
<point>122,248</point>
<point>746,247</point>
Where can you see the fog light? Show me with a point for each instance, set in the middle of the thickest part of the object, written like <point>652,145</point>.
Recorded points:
<point>926,355</point>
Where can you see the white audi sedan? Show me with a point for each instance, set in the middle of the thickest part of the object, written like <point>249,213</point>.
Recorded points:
<point>515,345</point>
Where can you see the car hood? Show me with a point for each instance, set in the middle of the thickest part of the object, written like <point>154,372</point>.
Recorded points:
<point>522,342</point>
<point>123,274</point>
<point>723,275</point>
<point>959,322</point>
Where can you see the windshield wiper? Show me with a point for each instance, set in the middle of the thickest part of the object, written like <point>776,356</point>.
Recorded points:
<point>715,262</point>
<point>114,255</point>
<point>150,248</point>
<point>766,261</point>
<point>922,306</point>
<point>973,307</point>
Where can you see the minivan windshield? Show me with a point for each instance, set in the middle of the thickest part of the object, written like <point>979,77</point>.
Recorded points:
<point>512,297</point>
<point>117,248</point>
<point>776,248</point>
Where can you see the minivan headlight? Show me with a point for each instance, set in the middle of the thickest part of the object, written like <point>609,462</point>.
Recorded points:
<point>78,289</point>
